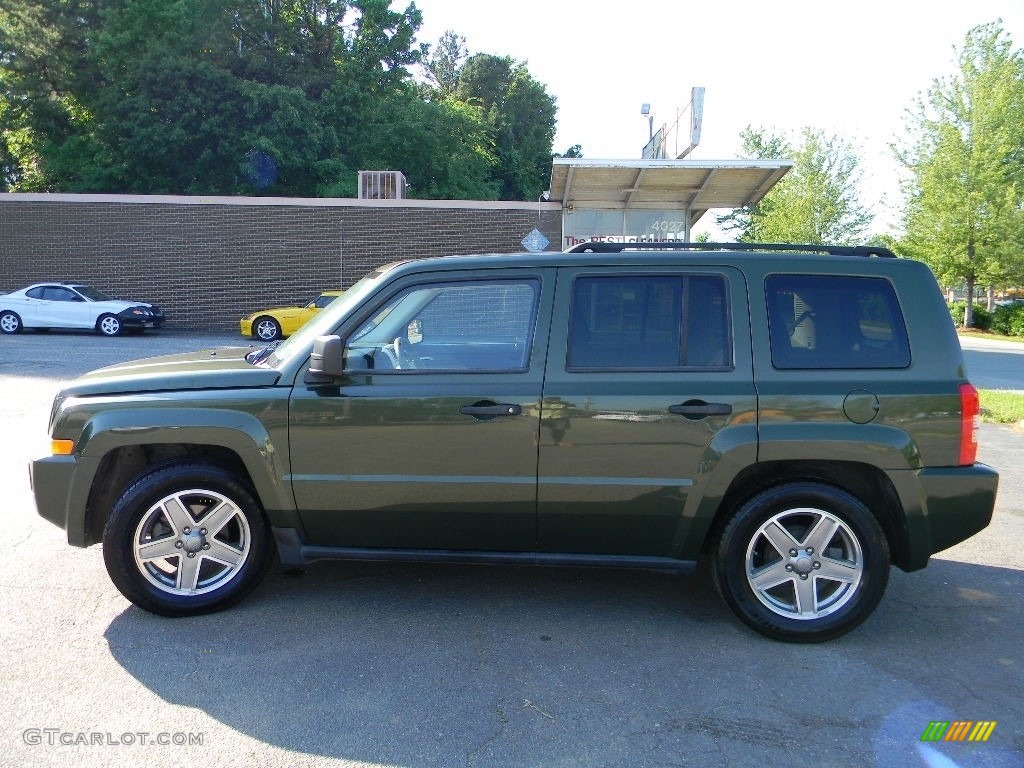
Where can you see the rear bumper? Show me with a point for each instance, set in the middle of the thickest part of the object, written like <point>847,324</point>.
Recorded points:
<point>951,505</point>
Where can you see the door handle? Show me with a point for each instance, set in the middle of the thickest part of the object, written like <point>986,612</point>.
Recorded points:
<point>698,409</point>
<point>489,410</point>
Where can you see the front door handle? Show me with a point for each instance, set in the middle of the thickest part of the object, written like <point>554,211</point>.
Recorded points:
<point>486,409</point>
<point>698,409</point>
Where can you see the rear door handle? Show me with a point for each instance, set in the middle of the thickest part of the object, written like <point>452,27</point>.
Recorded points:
<point>488,410</point>
<point>698,409</point>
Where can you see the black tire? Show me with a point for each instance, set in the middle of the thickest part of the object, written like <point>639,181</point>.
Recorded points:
<point>266,328</point>
<point>109,325</point>
<point>10,322</point>
<point>158,534</point>
<point>827,582</point>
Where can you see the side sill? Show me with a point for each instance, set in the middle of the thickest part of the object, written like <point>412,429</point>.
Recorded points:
<point>293,552</point>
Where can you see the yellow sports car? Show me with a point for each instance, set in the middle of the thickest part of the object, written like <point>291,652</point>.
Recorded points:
<point>273,324</point>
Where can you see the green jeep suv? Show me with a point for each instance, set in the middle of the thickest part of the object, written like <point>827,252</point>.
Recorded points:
<point>799,417</point>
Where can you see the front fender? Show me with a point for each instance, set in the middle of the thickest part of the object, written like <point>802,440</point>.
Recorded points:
<point>260,443</point>
<point>242,433</point>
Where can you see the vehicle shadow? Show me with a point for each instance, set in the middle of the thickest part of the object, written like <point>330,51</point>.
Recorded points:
<point>442,665</point>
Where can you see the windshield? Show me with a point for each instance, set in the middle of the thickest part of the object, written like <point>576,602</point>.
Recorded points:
<point>322,300</point>
<point>326,321</point>
<point>92,294</point>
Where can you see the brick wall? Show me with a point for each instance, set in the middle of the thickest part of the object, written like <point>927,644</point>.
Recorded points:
<point>209,261</point>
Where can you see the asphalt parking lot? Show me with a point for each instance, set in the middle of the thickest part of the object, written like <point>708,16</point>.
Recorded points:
<point>412,665</point>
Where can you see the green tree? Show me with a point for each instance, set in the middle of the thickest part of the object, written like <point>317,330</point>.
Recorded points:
<point>444,148</point>
<point>441,67</point>
<point>195,96</point>
<point>44,65</point>
<point>576,150</point>
<point>279,97</point>
<point>16,160</point>
<point>522,116</point>
<point>964,214</point>
<point>755,145</point>
<point>816,202</point>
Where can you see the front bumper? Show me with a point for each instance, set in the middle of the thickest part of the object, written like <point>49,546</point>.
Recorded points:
<point>51,479</point>
<point>131,319</point>
<point>58,499</point>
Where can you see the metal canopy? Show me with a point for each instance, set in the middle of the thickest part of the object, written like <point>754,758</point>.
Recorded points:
<point>694,186</point>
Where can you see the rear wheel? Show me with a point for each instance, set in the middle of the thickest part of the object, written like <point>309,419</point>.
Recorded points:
<point>802,562</point>
<point>266,328</point>
<point>185,540</point>
<point>109,325</point>
<point>10,322</point>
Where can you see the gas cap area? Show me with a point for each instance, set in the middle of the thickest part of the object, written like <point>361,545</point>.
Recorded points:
<point>860,406</point>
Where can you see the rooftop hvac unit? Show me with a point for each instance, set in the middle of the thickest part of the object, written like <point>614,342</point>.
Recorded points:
<point>381,185</point>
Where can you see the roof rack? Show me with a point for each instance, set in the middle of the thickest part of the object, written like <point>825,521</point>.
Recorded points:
<point>601,246</point>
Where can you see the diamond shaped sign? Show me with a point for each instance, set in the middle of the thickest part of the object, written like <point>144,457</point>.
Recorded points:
<point>535,241</point>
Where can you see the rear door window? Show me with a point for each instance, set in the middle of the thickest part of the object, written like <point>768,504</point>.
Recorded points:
<point>649,322</point>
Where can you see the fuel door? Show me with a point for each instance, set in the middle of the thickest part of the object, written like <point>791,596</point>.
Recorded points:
<point>860,406</point>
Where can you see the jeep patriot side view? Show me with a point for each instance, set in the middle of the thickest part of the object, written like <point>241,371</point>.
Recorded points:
<point>798,416</point>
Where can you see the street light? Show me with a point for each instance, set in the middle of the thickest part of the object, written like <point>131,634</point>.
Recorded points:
<point>645,110</point>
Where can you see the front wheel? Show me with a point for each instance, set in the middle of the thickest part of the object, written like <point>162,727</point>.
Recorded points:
<point>802,562</point>
<point>109,325</point>
<point>186,540</point>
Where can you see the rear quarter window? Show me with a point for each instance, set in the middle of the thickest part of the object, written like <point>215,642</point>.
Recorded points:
<point>835,321</point>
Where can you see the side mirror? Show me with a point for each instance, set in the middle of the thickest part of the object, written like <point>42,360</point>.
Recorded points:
<point>327,361</point>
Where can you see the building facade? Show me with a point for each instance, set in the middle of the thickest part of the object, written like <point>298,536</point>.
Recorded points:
<point>210,260</point>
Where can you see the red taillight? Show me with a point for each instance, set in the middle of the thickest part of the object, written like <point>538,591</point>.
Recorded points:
<point>970,417</point>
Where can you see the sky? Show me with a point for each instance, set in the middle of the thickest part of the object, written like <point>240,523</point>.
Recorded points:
<point>850,69</point>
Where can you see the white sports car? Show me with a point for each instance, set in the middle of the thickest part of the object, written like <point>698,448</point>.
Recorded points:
<point>72,305</point>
